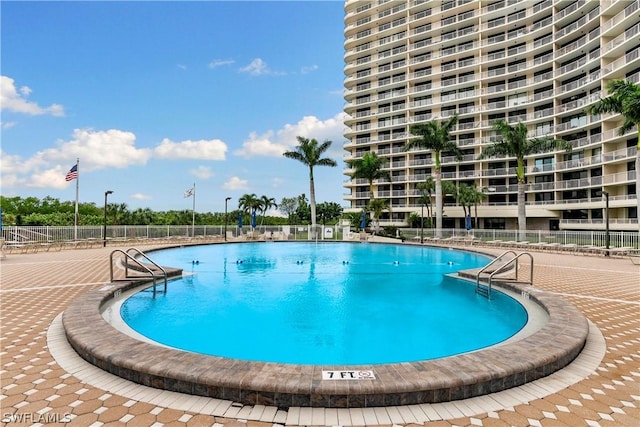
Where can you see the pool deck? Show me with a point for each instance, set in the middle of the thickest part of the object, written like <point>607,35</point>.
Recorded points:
<point>43,381</point>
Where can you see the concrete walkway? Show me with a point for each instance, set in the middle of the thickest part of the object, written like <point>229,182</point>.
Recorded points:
<point>41,383</point>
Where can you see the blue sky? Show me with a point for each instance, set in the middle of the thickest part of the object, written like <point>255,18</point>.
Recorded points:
<point>155,96</point>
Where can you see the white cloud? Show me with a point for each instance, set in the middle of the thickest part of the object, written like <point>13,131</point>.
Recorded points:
<point>7,125</point>
<point>213,149</point>
<point>49,178</point>
<point>235,183</point>
<point>308,69</point>
<point>274,212</point>
<point>10,166</point>
<point>261,145</point>
<point>274,143</point>
<point>95,149</point>
<point>182,66</point>
<point>140,196</point>
<point>220,62</point>
<point>16,102</point>
<point>258,67</point>
<point>202,172</point>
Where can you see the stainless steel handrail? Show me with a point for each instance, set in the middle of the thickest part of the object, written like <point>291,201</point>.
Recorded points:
<point>159,267</point>
<point>128,257</point>
<point>502,268</point>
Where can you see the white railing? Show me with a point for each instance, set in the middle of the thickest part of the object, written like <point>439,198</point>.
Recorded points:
<point>618,239</point>
<point>150,234</point>
<point>180,233</point>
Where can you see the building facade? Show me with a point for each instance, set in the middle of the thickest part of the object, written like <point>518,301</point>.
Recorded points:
<point>536,62</point>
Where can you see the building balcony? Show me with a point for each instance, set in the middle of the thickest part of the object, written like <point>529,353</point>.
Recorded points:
<point>570,12</point>
<point>620,63</point>
<point>620,17</point>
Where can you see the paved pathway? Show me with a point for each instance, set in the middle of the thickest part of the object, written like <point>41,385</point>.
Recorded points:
<point>35,389</point>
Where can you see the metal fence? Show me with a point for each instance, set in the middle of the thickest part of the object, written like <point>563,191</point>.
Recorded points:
<point>49,234</point>
<point>617,239</point>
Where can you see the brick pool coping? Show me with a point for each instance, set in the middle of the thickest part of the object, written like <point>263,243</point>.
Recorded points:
<point>485,371</point>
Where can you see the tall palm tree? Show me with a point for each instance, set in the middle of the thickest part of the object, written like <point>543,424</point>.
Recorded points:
<point>436,137</point>
<point>376,207</point>
<point>624,99</point>
<point>309,152</point>
<point>515,143</point>
<point>370,167</point>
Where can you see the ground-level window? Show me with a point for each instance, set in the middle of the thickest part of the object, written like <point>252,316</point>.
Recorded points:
<point>494,223</point>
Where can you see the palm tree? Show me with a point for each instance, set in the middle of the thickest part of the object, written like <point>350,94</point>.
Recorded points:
<point>414,220</point>
<point>376,207</point>
<point>353,218</point>
<point>624,99</point>
<point>370,167</point>
<point>249,203</point>
<point>266,203</point>
<point>309,152</point>
<point>463,195</point>
<point>120,213</point>
<point>142,216</point>
<point>426,190</point>
<point>477,196</point>
<point>514,143</point>
<point>436,137</point>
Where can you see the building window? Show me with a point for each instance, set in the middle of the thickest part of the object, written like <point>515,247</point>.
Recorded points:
<point>494,223</point>
<point>544,164</point>
<point>544,197</point>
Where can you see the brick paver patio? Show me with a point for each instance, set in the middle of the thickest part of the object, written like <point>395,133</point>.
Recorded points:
<point>36,288</point>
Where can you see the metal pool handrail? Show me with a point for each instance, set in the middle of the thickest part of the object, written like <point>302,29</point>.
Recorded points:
<point>502,268</point>
<point>144,267</point>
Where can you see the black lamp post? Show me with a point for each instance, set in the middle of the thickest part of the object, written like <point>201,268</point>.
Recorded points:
<point>225,217</point>
<point>104,230</point>
<point>607,239</point>
<point>422,223</point>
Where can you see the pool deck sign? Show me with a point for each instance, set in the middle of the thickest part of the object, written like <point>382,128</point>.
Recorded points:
<point>348,375</point>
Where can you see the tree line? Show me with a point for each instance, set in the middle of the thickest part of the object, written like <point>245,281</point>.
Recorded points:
<point>50,211</point>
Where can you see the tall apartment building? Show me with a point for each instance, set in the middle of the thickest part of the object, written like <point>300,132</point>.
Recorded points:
<point>536,62</point>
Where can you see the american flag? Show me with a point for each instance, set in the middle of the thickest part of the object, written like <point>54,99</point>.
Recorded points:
<point>72,174</point>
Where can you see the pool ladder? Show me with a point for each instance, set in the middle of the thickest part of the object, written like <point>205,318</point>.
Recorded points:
<point>507,265</point>
<point>132,261</point>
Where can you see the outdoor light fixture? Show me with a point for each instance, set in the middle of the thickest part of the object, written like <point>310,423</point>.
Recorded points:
<point>104,230</point>
<point>607,239</point>
<point>225,217</point>
<point>422,223</point>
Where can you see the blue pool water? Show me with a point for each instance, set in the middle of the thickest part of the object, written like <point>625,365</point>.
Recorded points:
<point>315,303</point>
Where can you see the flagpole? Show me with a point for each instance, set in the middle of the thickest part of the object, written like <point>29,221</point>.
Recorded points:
<point>75,217</point>
<point>193,212</point>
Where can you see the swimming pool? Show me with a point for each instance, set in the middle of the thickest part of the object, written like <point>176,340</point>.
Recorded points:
<point>322,303</point>
<point>554,335</point>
